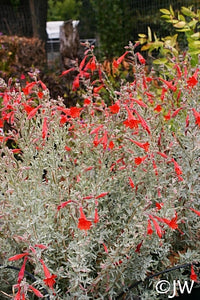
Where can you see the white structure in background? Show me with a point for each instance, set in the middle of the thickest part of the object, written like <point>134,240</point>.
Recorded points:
<point>53,29</point>
<point>53,42</point>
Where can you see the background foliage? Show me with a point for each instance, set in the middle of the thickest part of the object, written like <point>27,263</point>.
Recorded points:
<point>63,10</point>
<point>115,23</point>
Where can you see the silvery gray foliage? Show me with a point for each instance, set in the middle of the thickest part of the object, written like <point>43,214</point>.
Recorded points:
<point>133,174</point>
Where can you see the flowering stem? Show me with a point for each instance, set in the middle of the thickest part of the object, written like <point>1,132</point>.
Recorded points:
<point>31,276</point>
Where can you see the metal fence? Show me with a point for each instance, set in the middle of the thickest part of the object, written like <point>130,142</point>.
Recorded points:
<point>15,20</point>
<point>147,13</point>
<point>143,13</point>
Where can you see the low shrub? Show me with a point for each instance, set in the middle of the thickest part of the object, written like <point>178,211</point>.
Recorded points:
<point>19,54</point>
<point>97,197</point>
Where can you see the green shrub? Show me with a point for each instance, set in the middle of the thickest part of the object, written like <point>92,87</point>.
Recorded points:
<point>186,24</point>
<point>101,196</point>
<point>63,10</point>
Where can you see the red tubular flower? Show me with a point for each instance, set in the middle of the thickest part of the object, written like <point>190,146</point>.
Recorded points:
<point>145,146</point>
<point>179,73</point>
<point>21,291</point>
<point>96,216</point>
<point>96,130</point>
<point>35,291</point>
<point>33,112</point>
<point>149,228</point>
<point>22,270</point>
<point>193,276</point>
<point>97,89</point>
<point>96,140</point>
<point>197,116</point>
<point>114,108</point>
<point>67,148</point>
<point>171,223</point>
<point>88,197</point>
<point>105,248</point>
<point>42,85</point>
<point>29,87</point>
<point>91,65</point>
<point>63,119</point>
<point>117,62</point>
<point>82,63</point>
<point>87,101</point>
<point>19,295</point>
<point>40,95</point>
<point>139,102</point>
<point>18,256</point>
<point>75,112</point>
<point>133,123</point>
<point>176,111</point>
<point>168,116</point>
<point>177,168</point>
<point>187,121</point>
<point>88,169</point>
<point>156,225</point>
<point>159,205</point>
<point>143,122</point>
<point>130,115</point>
<point>63,204</point>
<point>169,84</point>
<point>101,195</point>
<point>158,108</point>
<point>41,246</point>
<point>27,108</point>
<point>131,182</point>
<point>155,167</point>
<point>76,83</point>
<point>17,151</point>
<point>139,160</point>
<point>163,94</point>
<point>162,154</point>
<point>67,71</point>
<point>144,82</point>
<point>50,281</point>
<point>197,212</point>
<point>137,250</point>
<point>111,145</point>
<point>105,140</point>
<point>44,128</point>
<point>49,278</point>
<point>1,123</point>
<point>192,81</point>
<point>9,116</point>
<point>83,223</point>
<point>141,58</point>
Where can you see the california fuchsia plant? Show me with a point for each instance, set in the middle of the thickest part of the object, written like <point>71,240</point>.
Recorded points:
<point>95,198</point>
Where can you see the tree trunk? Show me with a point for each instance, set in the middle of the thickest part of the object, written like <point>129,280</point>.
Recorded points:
<point>69,43</point>
<point>38,12</point>
<point>33,18</point>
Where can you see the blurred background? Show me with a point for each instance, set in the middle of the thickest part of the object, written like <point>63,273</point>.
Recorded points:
<point>30,33</point>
